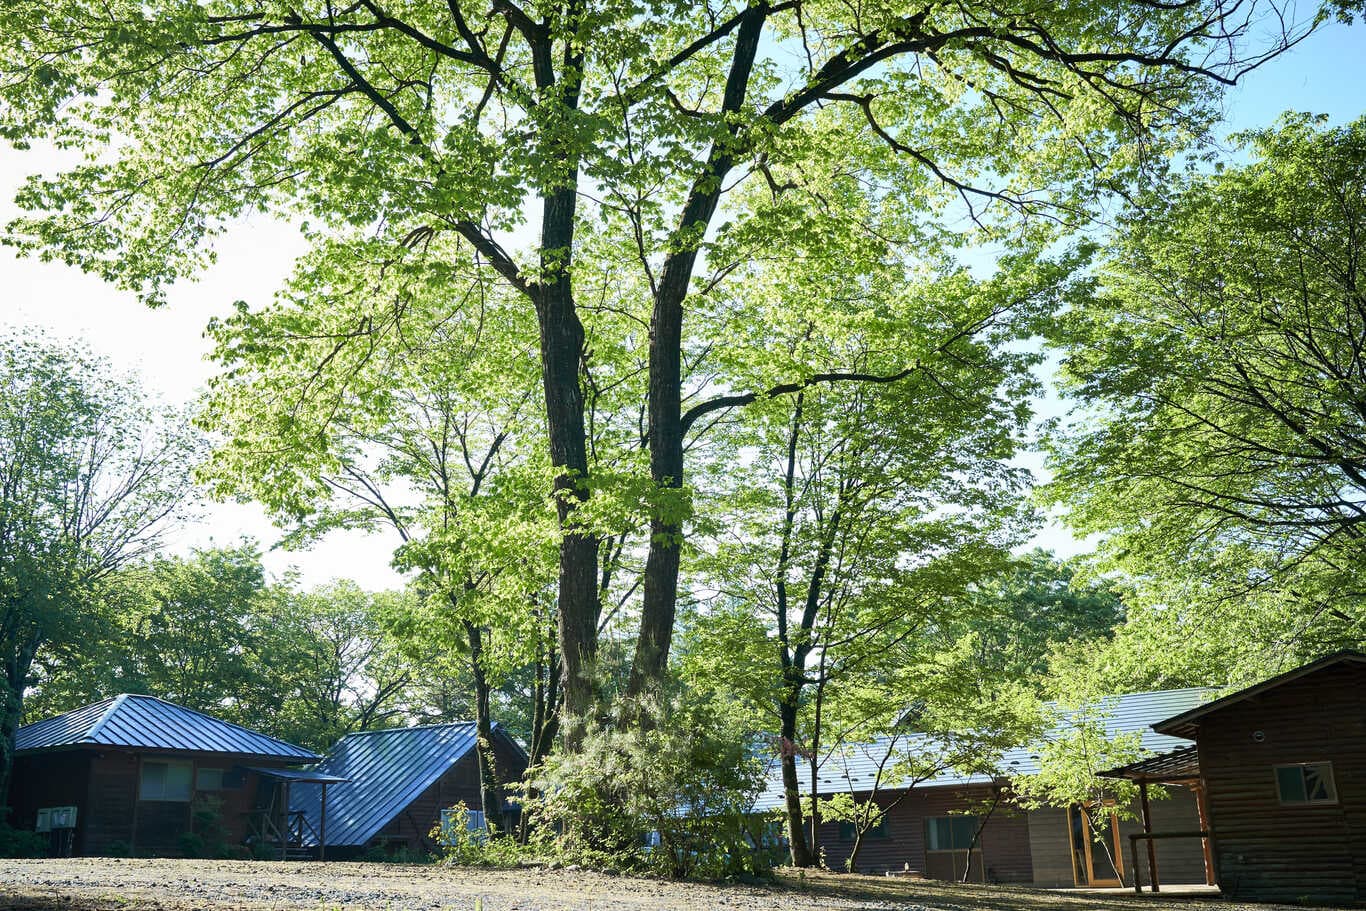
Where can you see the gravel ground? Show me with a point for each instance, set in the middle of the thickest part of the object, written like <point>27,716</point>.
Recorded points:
<point>112,884</point>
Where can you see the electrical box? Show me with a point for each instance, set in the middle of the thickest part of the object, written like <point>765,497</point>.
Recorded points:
<point>50,818</point>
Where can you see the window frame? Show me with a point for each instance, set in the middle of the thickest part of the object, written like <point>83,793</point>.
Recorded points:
<point>1330,778</point>
<point>199,780</point>
<point>953,823</point>
<point>167,764</point>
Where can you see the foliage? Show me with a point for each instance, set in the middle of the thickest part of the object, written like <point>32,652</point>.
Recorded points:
<point>22,843</point>
<point>1034,607</point>
<point>595,161</point>
<point>466,847</point>
<point>686,779</point>
<point>210,632</point>
<point>91,473</point>
<point>1217,439</point>
<point>1068,767</point>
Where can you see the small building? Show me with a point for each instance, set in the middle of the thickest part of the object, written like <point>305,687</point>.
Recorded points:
<point>929,827</point>
<point>1283,768</point>
<point>139,775</point>
<point>398,783</point>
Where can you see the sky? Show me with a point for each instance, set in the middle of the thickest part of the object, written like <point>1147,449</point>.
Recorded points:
<point>166,347</point>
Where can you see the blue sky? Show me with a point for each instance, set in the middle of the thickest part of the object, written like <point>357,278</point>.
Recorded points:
<point>1325,74</point>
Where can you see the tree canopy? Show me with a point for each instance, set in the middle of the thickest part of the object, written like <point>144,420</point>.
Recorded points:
<point>1218,442</point>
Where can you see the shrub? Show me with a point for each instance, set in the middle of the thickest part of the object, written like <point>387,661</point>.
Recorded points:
<point>468,847</point>
<point>22,843</point>
<point>207,837</point>
<point>671,797</point>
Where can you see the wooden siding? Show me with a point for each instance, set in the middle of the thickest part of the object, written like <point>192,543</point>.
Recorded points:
<point>1179,861</point>
<point>110,817</point>
<point>1004,840</point>
<point>1268,852</point>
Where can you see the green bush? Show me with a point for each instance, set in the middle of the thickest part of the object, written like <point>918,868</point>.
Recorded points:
<point>207,837</point>
<point>465,847</point>
<point>672,797</point>
<point>22,843</point>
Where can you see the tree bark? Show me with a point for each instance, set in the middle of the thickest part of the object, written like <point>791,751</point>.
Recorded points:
<point>18,664</point>
<point>796,832</point>
<point>490,790</point>
<point>562,338</point>
<point>659,603</point>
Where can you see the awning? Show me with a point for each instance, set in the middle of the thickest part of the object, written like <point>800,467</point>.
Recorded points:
<point>298,775</point>
<point>1182,765</point>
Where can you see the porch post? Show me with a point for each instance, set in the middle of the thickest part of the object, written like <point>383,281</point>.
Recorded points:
<point>322,826</point>
<point>1202,812</point>
<point>284,836</point>
<point>1148,831</point>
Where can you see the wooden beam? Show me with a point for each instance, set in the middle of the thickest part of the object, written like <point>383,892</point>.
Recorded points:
<point>322,826</point>
<point>1148,830</point>
<point>1202,810</point>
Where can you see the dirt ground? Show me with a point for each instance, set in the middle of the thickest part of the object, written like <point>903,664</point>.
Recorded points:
<point>112,884</point>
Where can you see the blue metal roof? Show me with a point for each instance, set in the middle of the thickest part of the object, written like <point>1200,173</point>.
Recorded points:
<point>387,770</point>
<point>148,723</point>
<point>1132,713</point>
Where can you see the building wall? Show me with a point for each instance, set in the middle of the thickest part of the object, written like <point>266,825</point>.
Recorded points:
<point>1178,860</point>
<point>52,780</point>
<point>1269,852</point>
<point>1004,843</point>
<point>111,818</point>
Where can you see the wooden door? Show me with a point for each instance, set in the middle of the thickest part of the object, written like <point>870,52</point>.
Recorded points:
<point>1096,861</point>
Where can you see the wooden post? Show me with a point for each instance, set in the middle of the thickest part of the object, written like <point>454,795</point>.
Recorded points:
<point>1203,812</point>
<point>322,826</point>
<point>1148,830</point>
<point>284,835</point>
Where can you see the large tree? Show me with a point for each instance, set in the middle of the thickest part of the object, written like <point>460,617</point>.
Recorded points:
<point>527,129</point>
<point>90,474</point>
<point>1220,437</point>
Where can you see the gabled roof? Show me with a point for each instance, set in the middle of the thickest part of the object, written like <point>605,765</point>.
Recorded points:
<point>386,771</point>
<point>1131,713</point>
<point>147,723</point>
<point>1186,723</point>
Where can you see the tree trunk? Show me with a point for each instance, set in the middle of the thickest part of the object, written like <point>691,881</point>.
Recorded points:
<point>490,791</point>
<point>796,832</point>
<point>18,663</point>
<point>659,601</point>
<point>562,337</point>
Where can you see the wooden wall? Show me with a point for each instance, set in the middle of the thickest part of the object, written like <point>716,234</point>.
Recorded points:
<point>1004,840</point>
<point>1269,852</point>
<point>110,817</point>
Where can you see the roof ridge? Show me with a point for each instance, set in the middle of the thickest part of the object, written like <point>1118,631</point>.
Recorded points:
<point>89,736</point>
<point>412,727</point>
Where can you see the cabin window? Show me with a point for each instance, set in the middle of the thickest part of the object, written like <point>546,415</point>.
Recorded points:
<point>950,833</point>
<point>165,780</point>
<point>208,780</point>
<point>1306,783</point>
<point>848,830</point>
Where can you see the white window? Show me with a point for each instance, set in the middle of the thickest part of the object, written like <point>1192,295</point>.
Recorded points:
<point>1306,783</point>
<point>208,780</point>
<point>452,817</point>
<point>166,779</point>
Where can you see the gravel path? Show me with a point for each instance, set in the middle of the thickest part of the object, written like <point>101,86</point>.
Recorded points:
<point>113,884</point>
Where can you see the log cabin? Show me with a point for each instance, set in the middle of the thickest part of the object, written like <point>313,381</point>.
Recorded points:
<point>137,775</point>
<point>1282,766</point>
